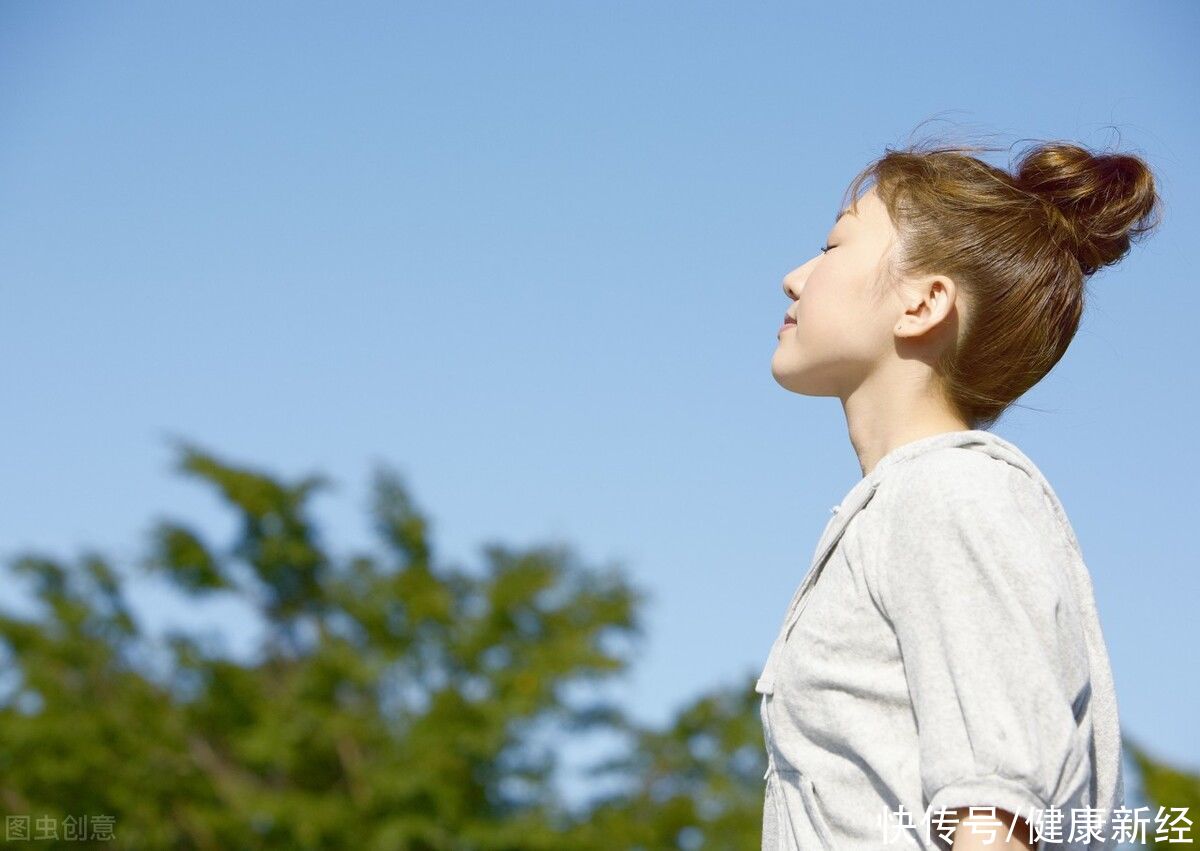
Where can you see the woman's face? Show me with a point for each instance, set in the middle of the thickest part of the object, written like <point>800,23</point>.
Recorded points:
<point>844,315</point>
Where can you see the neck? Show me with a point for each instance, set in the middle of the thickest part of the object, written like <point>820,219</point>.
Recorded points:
<point>891,412</point>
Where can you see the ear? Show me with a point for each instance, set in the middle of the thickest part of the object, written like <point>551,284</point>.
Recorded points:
<point>929,302</point>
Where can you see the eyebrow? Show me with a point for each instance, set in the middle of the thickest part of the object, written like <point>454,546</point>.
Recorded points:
<point>838,218</point>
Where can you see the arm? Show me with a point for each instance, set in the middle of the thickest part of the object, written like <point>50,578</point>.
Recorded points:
<point>973,590</point>
<point>991,834</point>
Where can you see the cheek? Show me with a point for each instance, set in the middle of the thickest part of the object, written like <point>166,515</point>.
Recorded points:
<point>822,309</point>
<point>833,316</point>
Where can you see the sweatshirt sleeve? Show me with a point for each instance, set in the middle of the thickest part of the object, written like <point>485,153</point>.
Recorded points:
<point>973,590</point>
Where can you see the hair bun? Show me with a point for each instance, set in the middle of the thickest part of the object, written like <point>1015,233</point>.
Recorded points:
<point>1104,200</point>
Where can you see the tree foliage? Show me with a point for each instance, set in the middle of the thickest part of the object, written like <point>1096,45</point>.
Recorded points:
<point>1166,789</point>
<point>394,703</point>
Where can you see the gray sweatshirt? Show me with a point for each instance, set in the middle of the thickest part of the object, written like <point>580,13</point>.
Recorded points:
<point>942,651</point>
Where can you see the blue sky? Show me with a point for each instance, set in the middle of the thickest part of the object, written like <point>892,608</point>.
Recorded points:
<point>530,256</point>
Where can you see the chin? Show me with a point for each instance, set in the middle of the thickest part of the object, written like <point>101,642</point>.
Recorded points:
<point>792,374</point>
<point>788,374</point>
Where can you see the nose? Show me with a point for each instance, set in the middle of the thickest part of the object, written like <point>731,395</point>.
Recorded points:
<point>793,283</point>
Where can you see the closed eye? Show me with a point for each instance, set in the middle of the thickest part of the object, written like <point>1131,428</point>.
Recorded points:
<point>825,248</point>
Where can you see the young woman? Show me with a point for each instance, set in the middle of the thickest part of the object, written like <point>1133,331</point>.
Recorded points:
<point>942,661</point>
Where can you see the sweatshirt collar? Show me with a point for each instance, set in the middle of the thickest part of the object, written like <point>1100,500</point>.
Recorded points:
<point>963,437</point>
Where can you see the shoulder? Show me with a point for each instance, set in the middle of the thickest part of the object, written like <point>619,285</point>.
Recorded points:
<point>955,514</point>
<point>954,480</point>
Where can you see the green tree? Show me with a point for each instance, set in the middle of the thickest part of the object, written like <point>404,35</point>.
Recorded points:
<point>1166,790</point>
<point>698,783</point>
<point>395,703</point>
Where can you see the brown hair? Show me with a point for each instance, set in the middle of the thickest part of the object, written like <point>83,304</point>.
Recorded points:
<point>1019,244</point>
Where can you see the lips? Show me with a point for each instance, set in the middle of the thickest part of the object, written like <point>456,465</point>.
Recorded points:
<point>788,320</point>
